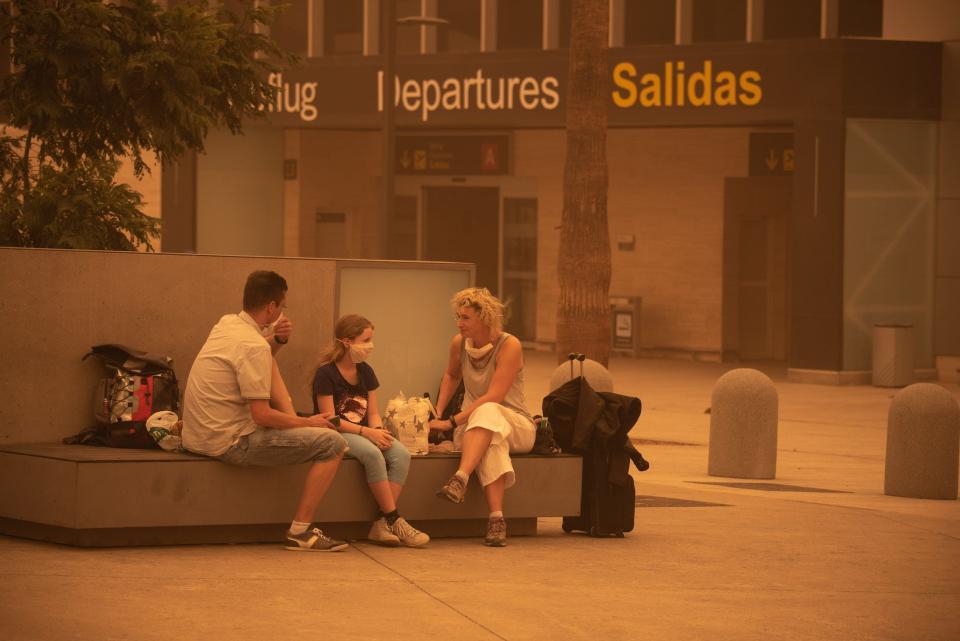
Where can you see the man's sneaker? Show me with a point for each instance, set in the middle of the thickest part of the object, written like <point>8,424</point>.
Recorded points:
<point>380,533</point>
<point>407,534</point>
<point>453,490</point>
<point>496,532</point>
<point>313,540</point>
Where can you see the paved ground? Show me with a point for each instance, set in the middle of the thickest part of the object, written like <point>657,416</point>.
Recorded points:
<point>706,561</point>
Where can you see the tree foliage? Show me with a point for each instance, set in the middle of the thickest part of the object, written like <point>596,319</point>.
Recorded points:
<point>583,270</point>
<point>95,81</point>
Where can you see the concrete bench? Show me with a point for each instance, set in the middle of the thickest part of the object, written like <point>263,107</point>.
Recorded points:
<point>93,496</point>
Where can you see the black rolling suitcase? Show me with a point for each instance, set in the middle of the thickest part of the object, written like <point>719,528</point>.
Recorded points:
<point>595,425</point>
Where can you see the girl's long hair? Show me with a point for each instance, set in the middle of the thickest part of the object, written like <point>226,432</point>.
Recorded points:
<point>348,327</point>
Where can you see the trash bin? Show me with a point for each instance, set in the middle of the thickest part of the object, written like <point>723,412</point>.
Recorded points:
<point>625,331</point>
<point>892,355</point>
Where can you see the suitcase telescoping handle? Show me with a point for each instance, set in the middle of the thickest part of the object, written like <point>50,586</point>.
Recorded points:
<point>573,356</point>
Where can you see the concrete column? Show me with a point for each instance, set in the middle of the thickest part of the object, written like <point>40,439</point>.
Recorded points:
<point>829,18</point>
<point>371,27</point>
<point>488,25</point>
<point>315,31</point>
<point>923,443</point>
<point>684,24</point>
<point>616,27</point>
<point>755,20</point>
<point>551,24</point>
<point>743,426</point>
<point>428,34</point>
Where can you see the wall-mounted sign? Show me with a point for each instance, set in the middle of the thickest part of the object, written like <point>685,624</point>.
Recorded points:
<point>452,155</point>
<point>625,312</point>
<point>771,154</point>
<point>773,83</point>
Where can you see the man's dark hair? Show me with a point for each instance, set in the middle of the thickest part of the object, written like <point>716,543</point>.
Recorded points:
<point>263,287</point>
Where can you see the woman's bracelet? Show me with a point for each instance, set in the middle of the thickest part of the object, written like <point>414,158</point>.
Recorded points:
<point>453,421</point>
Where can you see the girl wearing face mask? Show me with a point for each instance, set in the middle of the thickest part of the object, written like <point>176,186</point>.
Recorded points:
<point>345,385</point>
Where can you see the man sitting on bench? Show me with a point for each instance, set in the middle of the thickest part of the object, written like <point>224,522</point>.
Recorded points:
<point>237,409</point>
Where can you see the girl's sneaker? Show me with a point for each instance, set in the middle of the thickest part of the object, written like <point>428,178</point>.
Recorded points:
<point>380,533</point>
<point>408,535</point>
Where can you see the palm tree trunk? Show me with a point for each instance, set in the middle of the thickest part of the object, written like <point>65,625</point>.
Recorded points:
<point>583,312</point>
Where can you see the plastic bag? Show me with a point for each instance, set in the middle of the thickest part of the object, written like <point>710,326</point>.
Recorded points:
<point>408,420</point>
<point>164,427</point>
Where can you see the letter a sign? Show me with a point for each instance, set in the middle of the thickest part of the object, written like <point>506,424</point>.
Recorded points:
<point>488,157</point>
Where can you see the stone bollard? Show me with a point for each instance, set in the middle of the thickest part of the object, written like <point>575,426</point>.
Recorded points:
<point>743,426</point>
<point>923,443</point>
<point>596,374</point>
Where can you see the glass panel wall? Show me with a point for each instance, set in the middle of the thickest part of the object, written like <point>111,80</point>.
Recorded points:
<point>791,19</point>
<point>407,36</point>
<point>719,20</point>
<point>402,229</point>
<point>290,24</point>
<point>463,32</point>
<point>888,244</point>
<point>564,15</point>
<point>520,266</point>
<point>861,18</point>
<point>342,27</point>
<point>520,24</point>
<point>648,22</point>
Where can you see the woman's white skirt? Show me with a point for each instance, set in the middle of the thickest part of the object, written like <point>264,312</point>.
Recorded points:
<point>512,432</point>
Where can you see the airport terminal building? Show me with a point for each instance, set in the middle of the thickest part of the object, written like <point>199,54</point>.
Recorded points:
<point>782,175</point>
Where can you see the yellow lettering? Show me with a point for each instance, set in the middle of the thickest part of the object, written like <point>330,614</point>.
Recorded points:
<point>699,86</point>
<point>750,84</point>
<point>726,93</point>
<point>622,75</point>
<point>668,85</point>
<point>681,85</point>
<point>650,95</point>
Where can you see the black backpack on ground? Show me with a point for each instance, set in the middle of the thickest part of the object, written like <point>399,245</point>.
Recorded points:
<point>595,425</point>
<point>134,386</point>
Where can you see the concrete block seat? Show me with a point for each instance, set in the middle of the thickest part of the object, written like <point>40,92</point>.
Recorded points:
<point>95,496</point>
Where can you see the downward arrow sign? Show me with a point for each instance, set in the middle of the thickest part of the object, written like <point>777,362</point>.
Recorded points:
<point>772,160</point>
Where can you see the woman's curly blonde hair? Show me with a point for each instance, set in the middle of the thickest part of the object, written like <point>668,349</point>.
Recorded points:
<point>487,306</point>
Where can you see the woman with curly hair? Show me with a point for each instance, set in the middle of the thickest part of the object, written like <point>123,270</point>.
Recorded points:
<point>345,386</point>
<point>493,420</point>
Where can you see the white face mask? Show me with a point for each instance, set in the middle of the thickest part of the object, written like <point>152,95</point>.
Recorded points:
<point>360,351</point>
<point>477,352</point>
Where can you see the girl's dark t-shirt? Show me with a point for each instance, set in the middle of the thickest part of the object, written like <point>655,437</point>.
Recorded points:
<point>349,401</point>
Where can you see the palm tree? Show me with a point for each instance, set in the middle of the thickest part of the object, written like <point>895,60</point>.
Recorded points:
<point>583,312</point>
